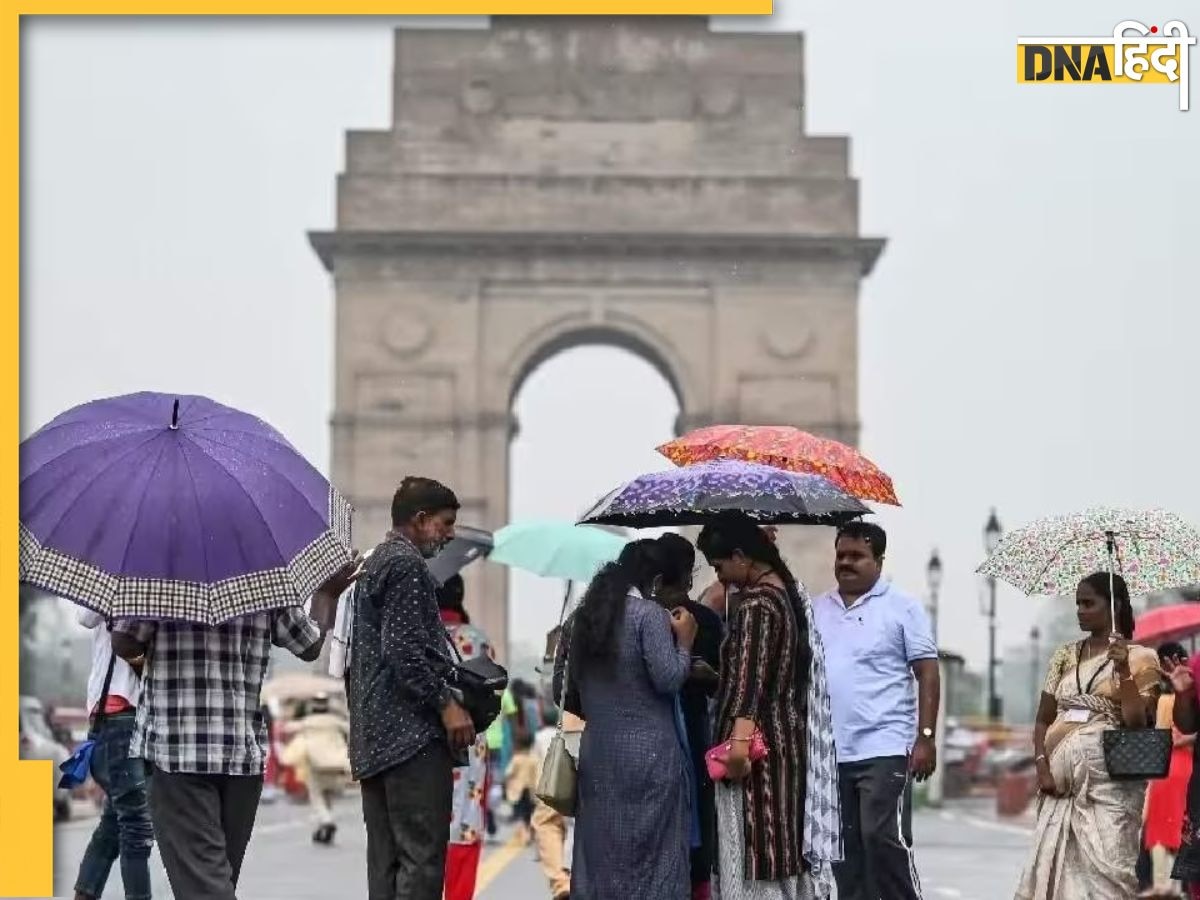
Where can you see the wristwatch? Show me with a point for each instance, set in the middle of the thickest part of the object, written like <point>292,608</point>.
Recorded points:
<point>926,732</point>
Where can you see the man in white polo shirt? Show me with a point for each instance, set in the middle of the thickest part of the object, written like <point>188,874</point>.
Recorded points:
<point>877,638</point>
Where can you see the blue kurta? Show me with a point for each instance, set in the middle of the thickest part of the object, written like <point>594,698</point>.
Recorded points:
<point>632,823</point>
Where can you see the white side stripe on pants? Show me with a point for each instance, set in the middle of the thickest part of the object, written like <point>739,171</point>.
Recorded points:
<point>912,859</point>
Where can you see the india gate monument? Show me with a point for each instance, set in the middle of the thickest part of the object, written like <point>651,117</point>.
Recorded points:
<point>553,182</point>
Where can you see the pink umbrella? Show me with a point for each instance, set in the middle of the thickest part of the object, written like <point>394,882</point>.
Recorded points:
<point>1168,623</point>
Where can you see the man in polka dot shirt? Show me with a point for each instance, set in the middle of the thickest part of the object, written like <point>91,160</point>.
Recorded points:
<point>406,725</point>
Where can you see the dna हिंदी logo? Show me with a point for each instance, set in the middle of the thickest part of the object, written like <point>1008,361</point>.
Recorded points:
<point>1133,54</point>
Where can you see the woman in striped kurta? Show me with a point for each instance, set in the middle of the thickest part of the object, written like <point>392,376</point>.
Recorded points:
<point>764,681</point>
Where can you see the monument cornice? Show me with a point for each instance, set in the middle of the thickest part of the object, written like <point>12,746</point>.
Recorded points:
<point>863,250</point>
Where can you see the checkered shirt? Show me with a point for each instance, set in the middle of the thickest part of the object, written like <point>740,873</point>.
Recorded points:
<point>200,709</point>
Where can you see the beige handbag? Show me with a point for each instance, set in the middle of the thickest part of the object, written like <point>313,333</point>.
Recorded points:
<point>557,781</point>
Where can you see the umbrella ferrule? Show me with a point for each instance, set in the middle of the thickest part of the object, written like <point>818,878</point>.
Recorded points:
<point>175,415</point>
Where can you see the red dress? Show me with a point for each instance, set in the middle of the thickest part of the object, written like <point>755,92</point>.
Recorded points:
<point>1166,801</point>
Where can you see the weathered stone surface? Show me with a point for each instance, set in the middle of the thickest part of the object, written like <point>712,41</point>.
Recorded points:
<point>565,180</point>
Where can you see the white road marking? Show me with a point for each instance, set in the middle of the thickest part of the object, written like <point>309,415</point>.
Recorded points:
<point>988,825</point>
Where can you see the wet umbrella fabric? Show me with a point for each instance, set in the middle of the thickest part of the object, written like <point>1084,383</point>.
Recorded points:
<point>556,549</point>
<point>1168,623</point>
<point>175,507</point>
<point>787,448</point>
<point>694,495</point>
<point>469,544</point>
<point>1153,550</point>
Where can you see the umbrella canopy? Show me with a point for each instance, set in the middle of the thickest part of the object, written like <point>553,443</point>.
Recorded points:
<point>164,507</point>
<point>469,544</point>
<point>1152,550</point>
<point>785,448</point>
<point>1168,623</point>
<point>556,549</point>
<point>695,494</point>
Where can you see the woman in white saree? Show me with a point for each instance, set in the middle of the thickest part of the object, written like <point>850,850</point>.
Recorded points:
<point>1088,826</point>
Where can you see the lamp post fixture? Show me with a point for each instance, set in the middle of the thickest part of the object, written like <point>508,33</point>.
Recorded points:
<point>991,540</point>
<point>933,575</point>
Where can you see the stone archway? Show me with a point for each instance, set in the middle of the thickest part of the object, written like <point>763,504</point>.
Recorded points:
<point>555,181</point>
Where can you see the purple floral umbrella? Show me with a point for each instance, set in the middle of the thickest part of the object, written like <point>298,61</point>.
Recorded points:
<point>175,507</point>
<point>693,495</point>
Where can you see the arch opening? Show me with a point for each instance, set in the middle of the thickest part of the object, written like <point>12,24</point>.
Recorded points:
<point>573,391</point>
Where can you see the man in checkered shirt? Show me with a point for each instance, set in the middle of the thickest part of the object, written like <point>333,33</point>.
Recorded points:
<point>200,730</point>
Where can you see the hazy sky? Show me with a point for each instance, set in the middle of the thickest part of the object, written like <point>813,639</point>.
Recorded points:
<point>1027,338</point>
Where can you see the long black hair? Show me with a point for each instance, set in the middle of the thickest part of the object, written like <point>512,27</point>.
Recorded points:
<point>1098,582</point>
<point>722,538</point>
<point>596,627</point>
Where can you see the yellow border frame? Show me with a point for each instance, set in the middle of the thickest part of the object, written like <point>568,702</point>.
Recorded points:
<point>26,828</point>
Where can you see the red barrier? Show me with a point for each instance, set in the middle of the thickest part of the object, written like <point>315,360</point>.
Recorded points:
<point>1014,791</point>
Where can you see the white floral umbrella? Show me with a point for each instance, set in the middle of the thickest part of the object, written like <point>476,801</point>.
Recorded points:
<point>1152,550</point>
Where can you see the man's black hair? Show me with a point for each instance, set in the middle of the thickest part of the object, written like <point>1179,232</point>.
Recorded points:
<point>867,532</point>
<point>420,495</point>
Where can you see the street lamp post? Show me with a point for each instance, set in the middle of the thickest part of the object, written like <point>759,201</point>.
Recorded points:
<point>1035,652</point>
<point>991,540</point>
<point>933,573</point>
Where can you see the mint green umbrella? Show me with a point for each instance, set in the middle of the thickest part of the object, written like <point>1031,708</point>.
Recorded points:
<point>556,549</point>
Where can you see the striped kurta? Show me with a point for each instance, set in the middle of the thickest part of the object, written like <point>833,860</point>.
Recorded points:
<point>763,650</point>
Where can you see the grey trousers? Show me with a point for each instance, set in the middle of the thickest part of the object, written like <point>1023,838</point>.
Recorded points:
<point>407,813</point>
<point>877,831</point>
<point>202,824</point>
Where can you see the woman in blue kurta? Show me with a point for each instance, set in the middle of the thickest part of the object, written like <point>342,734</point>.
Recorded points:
<point>624,659</point>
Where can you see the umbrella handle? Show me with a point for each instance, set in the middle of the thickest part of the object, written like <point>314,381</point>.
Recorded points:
<point>566,597</point>
<point>1111,539</point>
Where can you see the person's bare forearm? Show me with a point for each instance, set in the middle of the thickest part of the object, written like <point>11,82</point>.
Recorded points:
<point>323,610</point>
<point>1133,704</point>
<point>742,729</point>
<point>929,689</point>
<point>1039,740</point>
<point>1186,712</point>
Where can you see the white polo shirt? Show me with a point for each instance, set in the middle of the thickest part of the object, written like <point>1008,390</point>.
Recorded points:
<point>869,651</point>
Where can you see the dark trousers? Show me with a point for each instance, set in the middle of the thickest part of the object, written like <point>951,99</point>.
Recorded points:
<point>124,829</point>
<point>407,813</point>
<point>876,831</point>
<point>203,824</point>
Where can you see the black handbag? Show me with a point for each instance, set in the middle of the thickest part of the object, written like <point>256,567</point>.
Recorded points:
<point>481,682</point>
<point>1137,754</point>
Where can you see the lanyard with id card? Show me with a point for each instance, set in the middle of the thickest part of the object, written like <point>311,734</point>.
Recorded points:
<point>1081,715</point>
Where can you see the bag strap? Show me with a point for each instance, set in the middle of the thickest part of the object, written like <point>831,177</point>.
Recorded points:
<point>98,722</point>
<point>566,650</point>
<point>562,694</point>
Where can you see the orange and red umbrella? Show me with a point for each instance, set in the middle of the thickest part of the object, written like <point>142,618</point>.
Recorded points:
<point>787,448</point>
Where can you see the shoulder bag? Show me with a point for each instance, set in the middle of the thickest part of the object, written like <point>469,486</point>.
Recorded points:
<point>558,779</point>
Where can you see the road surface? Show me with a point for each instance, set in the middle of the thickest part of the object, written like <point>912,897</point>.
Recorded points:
<point>962,854</point>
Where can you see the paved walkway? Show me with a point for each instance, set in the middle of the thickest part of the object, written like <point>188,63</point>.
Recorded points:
<point>963,853</point>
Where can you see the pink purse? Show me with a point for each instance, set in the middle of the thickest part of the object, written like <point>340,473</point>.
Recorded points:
<point>714,759</point>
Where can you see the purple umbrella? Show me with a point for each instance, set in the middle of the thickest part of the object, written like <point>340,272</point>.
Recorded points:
<point>693,495</point>
<point>175,507</point>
